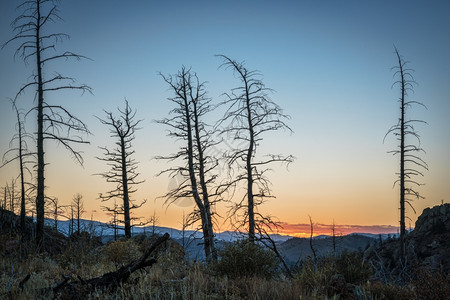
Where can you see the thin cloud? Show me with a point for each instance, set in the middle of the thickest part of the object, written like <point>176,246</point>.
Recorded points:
<point>326,229</point>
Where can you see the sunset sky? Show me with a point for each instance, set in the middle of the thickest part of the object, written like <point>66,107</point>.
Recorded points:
<point>329,63</point>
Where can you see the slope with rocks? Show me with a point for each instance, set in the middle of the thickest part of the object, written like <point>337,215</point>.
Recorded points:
<point>427,247</point>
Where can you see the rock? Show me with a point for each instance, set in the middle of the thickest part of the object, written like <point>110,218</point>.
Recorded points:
<point>427,246</point>
<point>431,238</point>
<point>433,220</point>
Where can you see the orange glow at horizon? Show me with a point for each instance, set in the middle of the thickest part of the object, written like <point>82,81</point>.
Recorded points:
<point>304,230</point>
<point>341,174</point>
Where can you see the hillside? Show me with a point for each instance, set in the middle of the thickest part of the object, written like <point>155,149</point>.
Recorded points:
<point>92,269</point>
<point>296,249</point>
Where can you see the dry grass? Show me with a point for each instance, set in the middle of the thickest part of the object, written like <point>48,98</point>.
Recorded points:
<point>345,277</point>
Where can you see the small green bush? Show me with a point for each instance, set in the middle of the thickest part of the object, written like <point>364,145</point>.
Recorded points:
<point>245,259</point>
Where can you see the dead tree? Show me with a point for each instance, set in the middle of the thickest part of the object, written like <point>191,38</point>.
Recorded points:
<point>153,220</point>
<point>311,239</point>
<point>411,165</point>
<point>5,190</point>
<point>8,205</point>
<point>54,122</point>
<point>195,154</point>
<point>249,115</point>
<point>123,172</point>
<point>333,231</point>
<point>71,225</point>
<point>19,147</point>
<point>11,188</point>
<point>269,243</point>
<point>56,211</point>
<point>78,208</point>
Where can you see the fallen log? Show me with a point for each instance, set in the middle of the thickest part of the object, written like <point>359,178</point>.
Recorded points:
<point>78,289</point>
<point>122,274</point>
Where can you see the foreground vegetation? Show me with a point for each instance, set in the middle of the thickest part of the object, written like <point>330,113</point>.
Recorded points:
<point>245,271</point>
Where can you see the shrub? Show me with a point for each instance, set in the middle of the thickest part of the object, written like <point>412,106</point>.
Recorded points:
<point>314,276</point>
<point>432,285</point>
<point>245,259</point>
<point>332,275</point>
<point>353,267</point>
<point>81,249</point>
<point>122,252</point>
<point>379,290</point>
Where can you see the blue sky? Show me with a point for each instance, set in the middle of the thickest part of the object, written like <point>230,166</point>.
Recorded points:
<point>329,63</point>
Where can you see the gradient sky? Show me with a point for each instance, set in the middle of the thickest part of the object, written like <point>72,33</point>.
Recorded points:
<point>329,63</point>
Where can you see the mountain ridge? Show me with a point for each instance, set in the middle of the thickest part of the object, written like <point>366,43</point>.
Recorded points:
<point>104,229</point>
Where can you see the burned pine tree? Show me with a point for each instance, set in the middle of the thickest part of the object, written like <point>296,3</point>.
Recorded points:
<point>411,165</point>
<point>19,147</point>
<point>123,172</point>
<point>55,211</point>
<point>250,113</point>
<point>38,44</point>
<point>78,209</point>
<point>198,165</point>
<point>10,196</point>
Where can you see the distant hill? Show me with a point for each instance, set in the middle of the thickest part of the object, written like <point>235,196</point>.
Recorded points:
<point>296,249</point>
<point>106,232</point>
<point>292,248</point>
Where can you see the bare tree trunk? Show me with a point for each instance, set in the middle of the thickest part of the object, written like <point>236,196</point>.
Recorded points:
<point>210,230</point>
<point>249,158</point>
<point>22,180</point>
<point>40,197</point>
<point>115,225</point>
<point>209,236</point>
<point>192,178</point>
<point>78,221</point>
<point>402,161</point>
<point>273,246</point>
<point>410,163</point>
<point>311,240</point>
<point>334,238</point>
<point>251,203</point>
<point>4,197</point>
<point>12,196</point>
<point>126,199</point>
<point>71,221</point>
<point>55,215</point>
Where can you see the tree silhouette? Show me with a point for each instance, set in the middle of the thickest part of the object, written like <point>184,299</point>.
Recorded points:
<point>198,164</point>
<point>24,157</point>
<point>78,209</point>
<point>37,44</point>
<point>3,203</point>
<point>55,211</point>
<point>410,162</point>
<point>123,170</point>
<point>250,114</point>
<point>10,196</point>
